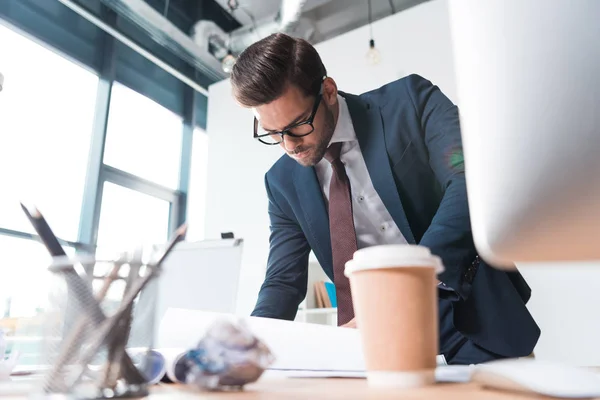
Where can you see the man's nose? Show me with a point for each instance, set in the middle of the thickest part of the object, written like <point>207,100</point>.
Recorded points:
<point>290,142</point>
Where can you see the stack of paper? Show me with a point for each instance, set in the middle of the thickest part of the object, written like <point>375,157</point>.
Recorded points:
<point>296,346</point>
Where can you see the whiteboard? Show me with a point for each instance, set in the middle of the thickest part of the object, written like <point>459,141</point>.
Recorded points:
<point>199,276</point>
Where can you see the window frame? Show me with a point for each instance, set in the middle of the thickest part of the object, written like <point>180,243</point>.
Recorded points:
<point>97,172</point>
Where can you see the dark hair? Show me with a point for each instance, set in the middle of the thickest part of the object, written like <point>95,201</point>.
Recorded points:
<point>263,70</point>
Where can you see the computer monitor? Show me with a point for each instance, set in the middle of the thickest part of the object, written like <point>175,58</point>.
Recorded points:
<point>528,80</point>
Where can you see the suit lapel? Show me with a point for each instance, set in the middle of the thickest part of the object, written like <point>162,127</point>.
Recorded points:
<point>369,132</point>
<point>313,206</point>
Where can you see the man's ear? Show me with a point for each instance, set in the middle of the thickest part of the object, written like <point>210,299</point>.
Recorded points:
<point>329,91</point>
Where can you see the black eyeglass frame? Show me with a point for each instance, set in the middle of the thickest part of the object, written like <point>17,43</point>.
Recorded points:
<point>286,131</point>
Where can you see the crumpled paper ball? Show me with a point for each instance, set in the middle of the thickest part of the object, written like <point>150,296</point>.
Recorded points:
<point>228,357</point>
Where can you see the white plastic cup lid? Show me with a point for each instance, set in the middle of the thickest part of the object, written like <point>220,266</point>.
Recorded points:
<point>393,256</point>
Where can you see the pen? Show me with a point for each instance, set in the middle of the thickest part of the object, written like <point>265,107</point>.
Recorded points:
<point>118,344</point>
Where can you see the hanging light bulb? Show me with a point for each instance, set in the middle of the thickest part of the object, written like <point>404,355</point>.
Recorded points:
<point>373,55</point>
<point>228,62</point>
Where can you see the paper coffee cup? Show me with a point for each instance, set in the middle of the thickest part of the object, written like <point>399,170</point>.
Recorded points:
<point>394,292</point>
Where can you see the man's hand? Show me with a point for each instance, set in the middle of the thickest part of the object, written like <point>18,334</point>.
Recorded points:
<point>351,324</point>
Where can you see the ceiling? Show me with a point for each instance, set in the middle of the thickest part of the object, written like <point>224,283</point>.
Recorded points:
<point>207,34</point>
<point>331,17</point>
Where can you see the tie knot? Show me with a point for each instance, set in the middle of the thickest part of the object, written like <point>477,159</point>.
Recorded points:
<point>333,152</point>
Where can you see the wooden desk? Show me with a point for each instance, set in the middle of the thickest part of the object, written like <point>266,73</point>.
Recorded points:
<point>296,388</point>
<point>280,387</point>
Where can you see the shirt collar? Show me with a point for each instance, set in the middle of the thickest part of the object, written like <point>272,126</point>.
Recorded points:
<point>344,131</point>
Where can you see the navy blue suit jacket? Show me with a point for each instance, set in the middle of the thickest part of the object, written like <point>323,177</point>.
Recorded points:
<point>409,135</point>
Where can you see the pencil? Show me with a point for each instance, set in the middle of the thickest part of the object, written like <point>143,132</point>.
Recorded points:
<point>44,232</point>
<point>178,236</point>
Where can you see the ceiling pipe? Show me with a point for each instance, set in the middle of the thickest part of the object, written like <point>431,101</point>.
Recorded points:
<point>288,20</point>
<point>202,49</point>
<point>165,33</point>
<point>285,21</point>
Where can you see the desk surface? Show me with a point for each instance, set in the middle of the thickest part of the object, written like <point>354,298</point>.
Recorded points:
<point>343,388</point>
<point>269,387</point>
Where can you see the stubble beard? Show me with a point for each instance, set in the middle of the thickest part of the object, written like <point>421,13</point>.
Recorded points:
<point>319,150</point>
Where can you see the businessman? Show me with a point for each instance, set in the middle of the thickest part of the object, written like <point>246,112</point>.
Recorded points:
<point>385,167</point>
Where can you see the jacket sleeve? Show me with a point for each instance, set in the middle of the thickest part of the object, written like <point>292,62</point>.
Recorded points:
<point>287,268</point>
<point>449,236</point>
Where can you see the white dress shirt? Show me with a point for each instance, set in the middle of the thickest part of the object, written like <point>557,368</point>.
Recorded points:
<point>372,221</point>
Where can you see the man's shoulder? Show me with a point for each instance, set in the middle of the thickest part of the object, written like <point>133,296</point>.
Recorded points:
<point>399,88</point>
<point>281,170</point>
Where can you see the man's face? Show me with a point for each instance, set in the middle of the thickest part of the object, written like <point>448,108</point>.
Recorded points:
<point>293,107</point>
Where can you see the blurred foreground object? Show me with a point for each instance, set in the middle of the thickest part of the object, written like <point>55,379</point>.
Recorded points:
<point>528,90</point>
<point>7,364</point>
<point>95,324</point>
<point>228,357</point>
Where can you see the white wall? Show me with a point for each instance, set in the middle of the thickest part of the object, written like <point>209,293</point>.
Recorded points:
<point>414,41</point>
<point>196,216</point>
<point>236,197</point>
<point>565,302</point>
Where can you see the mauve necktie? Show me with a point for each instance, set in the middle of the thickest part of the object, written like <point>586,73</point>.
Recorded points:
<point>343,234</point>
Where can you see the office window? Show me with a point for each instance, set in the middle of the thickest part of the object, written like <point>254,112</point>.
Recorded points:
<point>25,284</point>
<point>46,118</point>
<point>143,138</point>
<point>24,281</point>
<point>28,295</point>
<point>129,218</point>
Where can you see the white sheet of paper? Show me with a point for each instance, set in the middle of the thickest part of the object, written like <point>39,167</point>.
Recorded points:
<point>296,346</point>
<point>444,373</point>
<point>453,373</point>
<point>316,374</point>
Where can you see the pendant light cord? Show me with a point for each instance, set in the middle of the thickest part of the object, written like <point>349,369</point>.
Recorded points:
<point>370,21</point>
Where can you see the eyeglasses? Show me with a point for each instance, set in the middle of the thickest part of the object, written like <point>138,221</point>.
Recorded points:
<point>296,130</point>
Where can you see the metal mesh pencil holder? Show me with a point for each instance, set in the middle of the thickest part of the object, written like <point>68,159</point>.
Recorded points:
<point>100,327</point>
